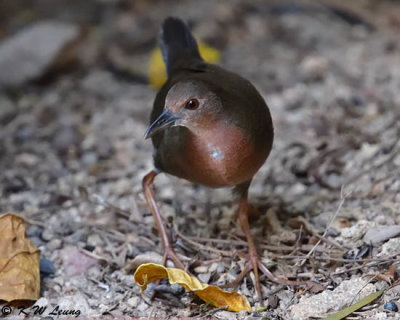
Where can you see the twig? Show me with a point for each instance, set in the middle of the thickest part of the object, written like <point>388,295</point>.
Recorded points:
<point>35,222</point>
<point>355,296</point>
<point>201,246</point>
<point>342,199</point>
<point>99,200</point>
<point>297,244</point>
<point>95,256</point>
<point>336,259</point>
<point>372,261</point>
<point>212,311</point>
<point>333,243</point>
<point>281,247</point>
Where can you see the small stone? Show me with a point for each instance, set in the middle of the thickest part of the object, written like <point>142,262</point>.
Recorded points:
<point>65,138</point>
<point>94,240</point>
<point>357,231</point>
<point>133,302</point>
<point>174,289</point>
<point>391,306</point>
<point>201,269</point>
<point>54,244</point>
<point>396,161</point>
<point>89,158</point>
<point>34,231</point>
<point>273,301</point>
<point>314,67</point>
<point>391,247</point>
<point>27,159</point>
<point>328,301</point>
<point>48,234</point>
<point>47,267</point>
<point>142,307</point>
<point>74,261</point>
<point>226,315</point>
<point>297,189</point>
<point>381,233</point>
<point>38,242</point>
<point>204,277</point>
<point>29,54</point>
<point>147,257</point>
<point>217,267</point>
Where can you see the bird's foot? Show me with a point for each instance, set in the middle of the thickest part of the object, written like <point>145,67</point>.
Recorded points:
<point>251,265</point>
<point>255,264</point>
<point>169,254</point>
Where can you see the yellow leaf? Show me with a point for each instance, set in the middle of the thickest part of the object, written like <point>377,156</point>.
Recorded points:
<point>19,261</point>
<point>157,74</point>
<point>150,272</point>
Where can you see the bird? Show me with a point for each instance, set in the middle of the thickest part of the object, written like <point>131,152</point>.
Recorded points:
<point>209,126</point>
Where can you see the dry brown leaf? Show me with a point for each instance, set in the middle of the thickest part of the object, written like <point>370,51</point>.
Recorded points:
<point>387,276</point>
<point>214,295</point>
<point>19,261</point>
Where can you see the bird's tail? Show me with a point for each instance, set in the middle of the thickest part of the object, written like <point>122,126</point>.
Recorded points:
<point>178,46</point>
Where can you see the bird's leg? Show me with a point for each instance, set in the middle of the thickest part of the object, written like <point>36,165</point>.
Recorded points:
<point>149,194</point>
<point>254,259</point>
<point>254,262</point>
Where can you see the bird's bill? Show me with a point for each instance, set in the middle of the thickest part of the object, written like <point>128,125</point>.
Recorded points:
<point>165,120</point>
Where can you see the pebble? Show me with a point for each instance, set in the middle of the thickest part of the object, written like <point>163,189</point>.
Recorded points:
<point>204,277</point>
<point>34,231</point>
<point>328,301</point>
<point>28,54</point>
<point>355,232</point>
<point>381,233</point>
<point>47,267</point>
<point>94,240</point>
<point>201,269</point>
<point>54,244</point>
<point>391,247</point>
<point>147,257</point>
<point>133,302</point>
<point>75,262</point>
<point>313,67</point>
<point>27,159</point>
<point>391,306</point>
<point>48,234</point>
<point>226,315</point>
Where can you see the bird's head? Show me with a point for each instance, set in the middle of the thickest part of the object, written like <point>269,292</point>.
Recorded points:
<point>189,104</point>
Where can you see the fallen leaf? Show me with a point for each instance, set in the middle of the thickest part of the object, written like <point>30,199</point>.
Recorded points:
<point>157,74</point>
<point>149,272</point>
<point>314,287</point>
<point>387,276</point>
<point>19,261</point>
<point>349,310</point>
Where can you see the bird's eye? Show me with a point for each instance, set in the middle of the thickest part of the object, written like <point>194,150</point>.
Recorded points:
<point>192,104</point>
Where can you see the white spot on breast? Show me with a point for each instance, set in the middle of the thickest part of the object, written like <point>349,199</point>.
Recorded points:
<point>216,154</point>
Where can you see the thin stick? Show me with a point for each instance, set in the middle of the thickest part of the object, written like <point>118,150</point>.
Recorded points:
<point>342,199</point>
<point>201,246</point>
<point>389,259</point>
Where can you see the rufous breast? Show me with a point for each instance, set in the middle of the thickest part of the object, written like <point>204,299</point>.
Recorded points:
<point>220,156</point>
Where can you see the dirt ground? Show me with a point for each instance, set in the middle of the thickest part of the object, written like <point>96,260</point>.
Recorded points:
<point>72,156</point>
